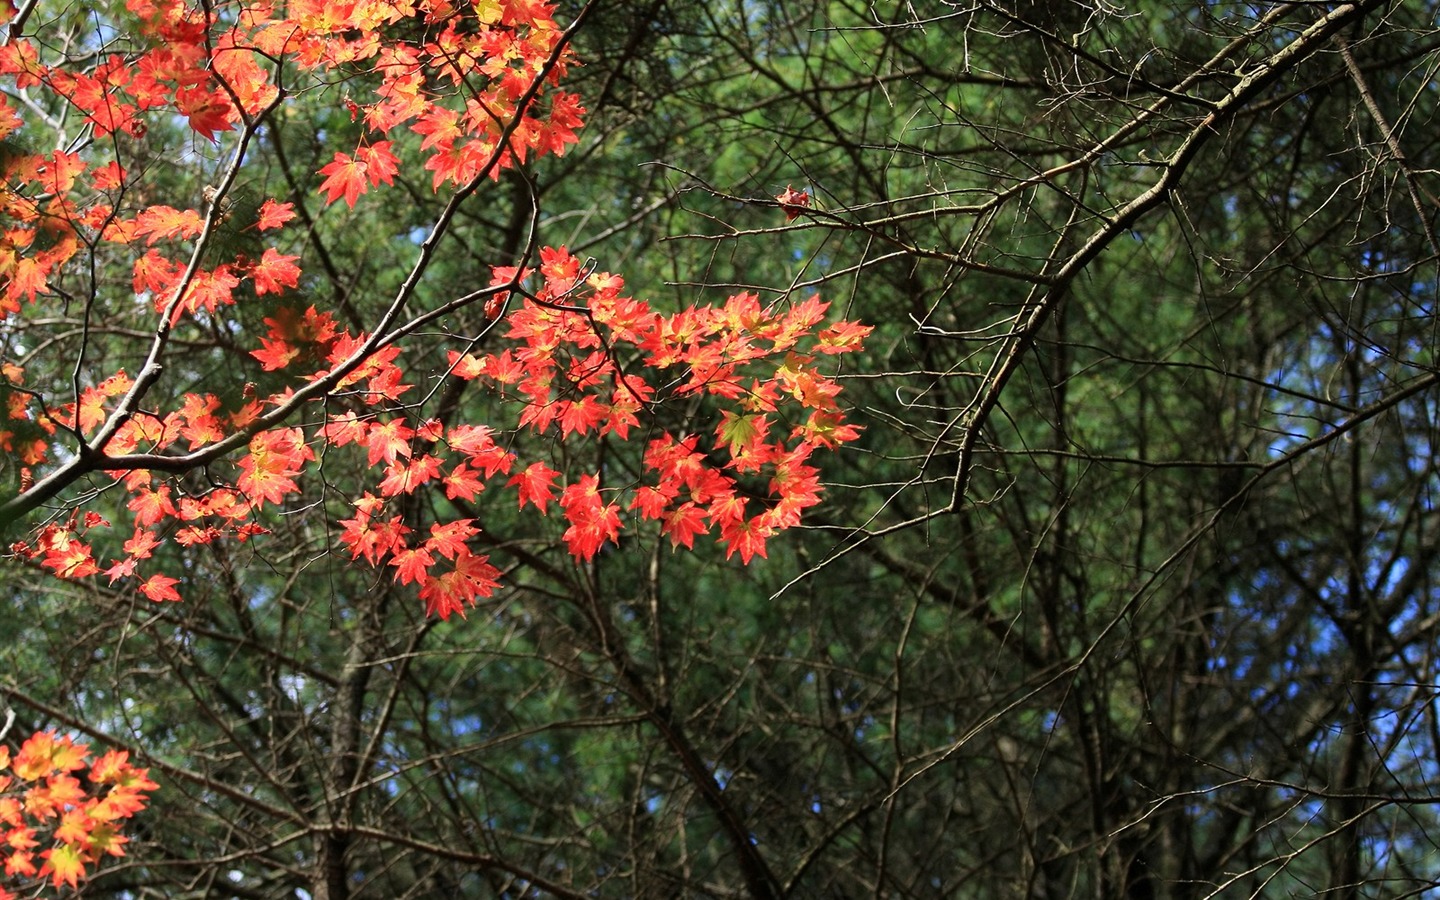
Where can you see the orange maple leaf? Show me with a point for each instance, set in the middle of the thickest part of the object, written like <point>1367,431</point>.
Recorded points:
<point>274,273</point>
<point>74,828</point>
<point>21,838</point>
<point>20,863</point>
<point>63,865</point>
<point>160,222</point>
<point>274,215</point>
<point>161,588</point>
<point>45,753</point>
<point>70,557</point>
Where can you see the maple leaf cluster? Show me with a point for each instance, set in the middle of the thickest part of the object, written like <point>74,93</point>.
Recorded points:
<point>748,479</point>
<point>585,362</point>
<point>731,402</point>
<point>476,84</point>
<point>55,826</point>
<point>475,89</point>
<point>570,339</point>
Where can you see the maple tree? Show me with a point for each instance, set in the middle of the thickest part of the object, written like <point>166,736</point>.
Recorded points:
<point>464,92</point>
<point>479,86</point>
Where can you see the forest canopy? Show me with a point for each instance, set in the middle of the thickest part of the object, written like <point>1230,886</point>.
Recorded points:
<point>733,449</point>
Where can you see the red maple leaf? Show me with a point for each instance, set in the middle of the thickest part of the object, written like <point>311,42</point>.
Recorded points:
<point>652,501</point>
<point>475,440</point>
<point>141,544</point>
<point>369,539</point>
<point>582,415</point>
<point>682,525</point>
<point>412,564</point>
<point>448,538</point>
<point>450,592</point>
<point>592,527</point>
<point>380,165</point>
<point>69,557</point>
<point>274,215</point>
<point>537,485</point>
<point>404,478</point>
<point>160,588</point>
<point>748,537</point>
<point>28,278</point>
<point>431,430</point>
<point>274,457</point>
<point>464,365</point>
<point>345,178</point>
<point>389,440</point>
<point>727,509</point>
<point>160,222</point>
<point>621,418</point>
<point>201,425</point>
<point>111,175</point>
<point>155,274</point>
<point>345,429</point>
<point>842,337</point>
<point>193,535</point>
<point>462,482</point>
<point>121,569</point>
<point>592,521</point>
<point>275,355</point>
<point>207,291</point>
<point>209,111</point>
<point>274,273</point>
<point>21,59</point>
<point>263,482</point>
